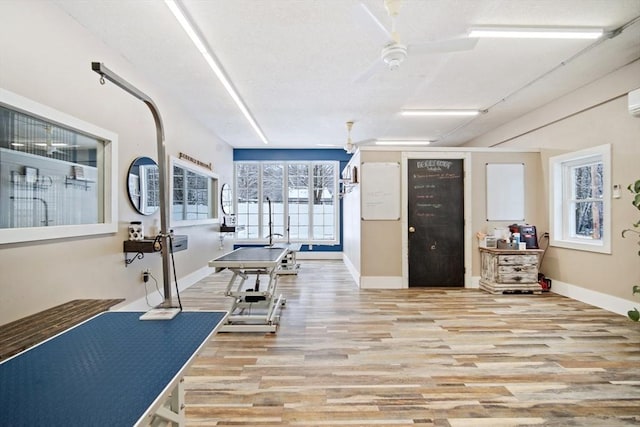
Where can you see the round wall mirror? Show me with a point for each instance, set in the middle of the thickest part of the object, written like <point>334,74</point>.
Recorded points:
<point>143,185</point>
<point>226,200</point>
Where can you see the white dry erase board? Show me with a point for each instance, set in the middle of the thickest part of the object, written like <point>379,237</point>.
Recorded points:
<point>505,192</point>
<point>380,191</point>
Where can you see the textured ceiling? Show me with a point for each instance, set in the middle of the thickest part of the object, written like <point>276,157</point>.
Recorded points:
<point>299,64</point>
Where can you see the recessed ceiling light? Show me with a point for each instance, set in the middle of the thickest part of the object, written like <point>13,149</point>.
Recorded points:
<point>440,112</point>
<point>536,32</point>
<point>399,142</point>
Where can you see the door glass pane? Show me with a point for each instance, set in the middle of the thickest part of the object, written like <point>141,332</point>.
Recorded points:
<point>247,175</point>
<point>323,201</point>
<point>298,191</point>
<point>273,190</point>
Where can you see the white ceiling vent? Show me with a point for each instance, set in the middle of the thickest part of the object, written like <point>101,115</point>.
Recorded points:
<point>634,102</point>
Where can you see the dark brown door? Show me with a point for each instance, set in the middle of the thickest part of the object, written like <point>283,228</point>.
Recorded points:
<point>436,222</point>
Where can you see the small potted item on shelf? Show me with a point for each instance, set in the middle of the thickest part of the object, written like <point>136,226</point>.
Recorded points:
<point>135,230</point>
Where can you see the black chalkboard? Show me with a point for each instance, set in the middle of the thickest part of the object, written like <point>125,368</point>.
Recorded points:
<point>436,216</point>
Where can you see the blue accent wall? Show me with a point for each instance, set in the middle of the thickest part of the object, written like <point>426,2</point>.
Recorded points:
<point>262,154</point>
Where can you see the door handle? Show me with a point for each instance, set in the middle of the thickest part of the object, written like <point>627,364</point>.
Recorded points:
<point>412,230</point>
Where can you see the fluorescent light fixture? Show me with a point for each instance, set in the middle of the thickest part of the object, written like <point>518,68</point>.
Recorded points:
<point>58,144</point>
<point>40,144</point>
<point>440,112</point>
<point>17,144</point>
<point>536,32</point>
<point>214,64</point>
<point>399,142</point>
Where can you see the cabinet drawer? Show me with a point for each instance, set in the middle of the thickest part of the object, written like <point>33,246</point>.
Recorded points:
<point>523,268</point>
<point>517,259</point>
<point>517,278</point>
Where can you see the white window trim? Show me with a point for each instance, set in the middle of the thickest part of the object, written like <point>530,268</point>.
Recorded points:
<point>215,199</point>
<point>109,200</point>
<point>557,183</point>
<point>309,241</point>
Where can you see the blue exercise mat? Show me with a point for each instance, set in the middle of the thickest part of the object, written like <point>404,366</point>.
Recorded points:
<point>105,372</point>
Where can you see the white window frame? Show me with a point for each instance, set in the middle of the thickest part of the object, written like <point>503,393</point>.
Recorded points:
<point>107,155</point>
<point>214,199</point>
<point>560,217</point>
<point>261,225</point>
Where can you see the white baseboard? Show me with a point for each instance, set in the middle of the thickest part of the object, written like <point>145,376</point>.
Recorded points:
<point>594,298</point>
<point>381,282</point>
<point>475,282</point>
<point>154,298</point>
<point>318,255</point>
<point>352,269</point>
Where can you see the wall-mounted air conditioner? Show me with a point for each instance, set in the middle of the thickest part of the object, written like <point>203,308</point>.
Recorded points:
<point>634,102</point>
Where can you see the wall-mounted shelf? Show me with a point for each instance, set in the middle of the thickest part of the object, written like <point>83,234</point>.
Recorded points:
<point>141,247</point>
<point>77,182</point>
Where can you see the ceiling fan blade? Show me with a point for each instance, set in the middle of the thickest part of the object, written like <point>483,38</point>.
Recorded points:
<point>371,22</point>
<point>375,67</point>
<point>443,46</point>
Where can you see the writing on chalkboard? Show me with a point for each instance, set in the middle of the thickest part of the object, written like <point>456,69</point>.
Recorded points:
<point>434,165</point>
<point>429,205</point>
<point>437,175</point>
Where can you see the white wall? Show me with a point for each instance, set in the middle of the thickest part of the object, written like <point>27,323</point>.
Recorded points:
<point>46,57</point>
<point>351,232</point>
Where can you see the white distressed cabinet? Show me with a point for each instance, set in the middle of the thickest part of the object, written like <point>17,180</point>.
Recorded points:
<point>510,271</point>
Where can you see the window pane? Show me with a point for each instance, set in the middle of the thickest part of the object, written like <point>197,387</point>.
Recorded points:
<point>177,210</point>
<point>193,195</point>
<point>247,198</point>
<point>587,181</point>
<point>588,220</point>
<point>298,191</point>
<point>50,175</point>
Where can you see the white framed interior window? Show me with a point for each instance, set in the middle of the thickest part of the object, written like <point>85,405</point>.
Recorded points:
<point>194,194</point>
<point>580,205</point>
<point>301,195</point>
<point>58,174</point>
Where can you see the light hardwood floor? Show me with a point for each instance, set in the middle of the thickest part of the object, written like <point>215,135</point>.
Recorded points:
<point>426,357</point>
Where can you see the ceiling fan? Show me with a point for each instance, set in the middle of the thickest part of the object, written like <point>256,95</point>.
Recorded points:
<point>394,52</point>
<point>350,146</point>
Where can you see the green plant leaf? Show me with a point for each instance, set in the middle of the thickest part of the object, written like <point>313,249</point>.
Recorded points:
<point>634,314</point>
<point>636,201</point>
<point>636,186</point>
<point>636,289</point>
